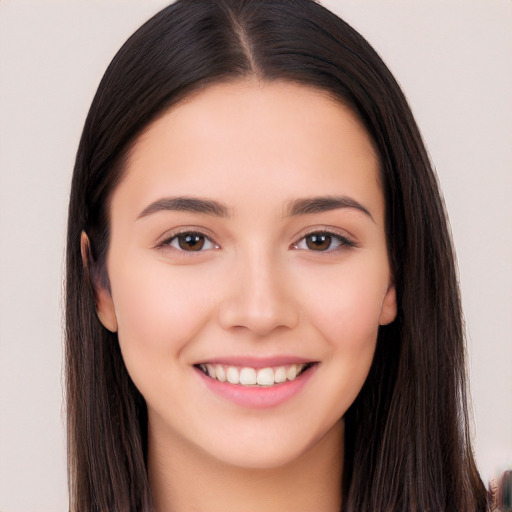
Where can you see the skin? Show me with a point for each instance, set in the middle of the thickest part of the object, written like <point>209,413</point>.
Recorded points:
<point>255,289</point>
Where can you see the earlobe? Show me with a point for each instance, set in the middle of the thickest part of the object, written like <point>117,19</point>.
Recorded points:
<point>105,309</point>
<point>389,308</point>
<point>104,304</point>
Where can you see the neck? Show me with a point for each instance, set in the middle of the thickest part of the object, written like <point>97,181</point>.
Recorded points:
<point>183,478</point>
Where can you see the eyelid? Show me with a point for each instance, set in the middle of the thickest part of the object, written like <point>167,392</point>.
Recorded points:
<point>345,239</point>
<point>166,239</point>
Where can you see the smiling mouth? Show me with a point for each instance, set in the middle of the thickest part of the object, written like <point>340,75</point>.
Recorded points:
<point>258,377</point>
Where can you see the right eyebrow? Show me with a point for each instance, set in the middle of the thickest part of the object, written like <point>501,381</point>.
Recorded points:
<point>186,204</point>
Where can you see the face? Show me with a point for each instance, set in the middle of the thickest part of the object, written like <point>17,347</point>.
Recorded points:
<point>249,271</point>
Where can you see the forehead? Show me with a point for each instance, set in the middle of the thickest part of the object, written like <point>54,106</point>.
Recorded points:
<point>251,138</point>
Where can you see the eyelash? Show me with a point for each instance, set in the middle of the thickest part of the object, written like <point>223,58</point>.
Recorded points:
<point>342,241</point>
<point>183,234</point>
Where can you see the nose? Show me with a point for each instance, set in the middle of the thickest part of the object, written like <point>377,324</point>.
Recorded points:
<point>259,297</point>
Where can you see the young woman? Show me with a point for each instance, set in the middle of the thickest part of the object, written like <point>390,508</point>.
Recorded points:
<point>262,304</point>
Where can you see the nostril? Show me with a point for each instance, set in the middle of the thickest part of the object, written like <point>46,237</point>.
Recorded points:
<point>258,296</point>
<point>261,319</point>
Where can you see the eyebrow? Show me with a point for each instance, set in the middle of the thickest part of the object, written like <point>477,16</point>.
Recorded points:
<point>321,204</point>
<point>186,204</point>
<point>305,206</point>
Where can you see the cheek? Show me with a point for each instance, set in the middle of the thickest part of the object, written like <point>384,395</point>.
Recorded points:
<point>158,312</point>
<point>346,308</point>
<point>346,316</point>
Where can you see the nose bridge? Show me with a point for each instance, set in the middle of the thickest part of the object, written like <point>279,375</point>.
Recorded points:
<point>259,296</point>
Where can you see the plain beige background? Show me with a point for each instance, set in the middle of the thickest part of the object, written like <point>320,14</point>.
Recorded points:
<point>453,59</point>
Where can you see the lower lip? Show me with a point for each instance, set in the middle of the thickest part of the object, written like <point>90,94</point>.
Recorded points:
<point>258,397</point>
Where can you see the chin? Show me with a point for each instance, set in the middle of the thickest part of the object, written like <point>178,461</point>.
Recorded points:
<point>255,457</point>
<point>256,452</point>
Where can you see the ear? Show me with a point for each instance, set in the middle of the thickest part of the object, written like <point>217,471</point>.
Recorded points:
<point>389,309</point>
<point>104,303</point>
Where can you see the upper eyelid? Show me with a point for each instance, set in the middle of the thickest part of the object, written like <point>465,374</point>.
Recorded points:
<point>344,242</point>
<point>339,233</point>
<point>165,245</point>
<point>171,234</point>
<point>342,234</point>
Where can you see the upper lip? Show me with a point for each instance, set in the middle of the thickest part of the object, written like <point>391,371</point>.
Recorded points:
<point>256,362</point>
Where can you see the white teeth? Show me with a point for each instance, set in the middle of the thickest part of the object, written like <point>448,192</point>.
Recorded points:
<point>211,371</point>
<point>265,377</point>
<point>232,375</point>
<point>247,376</point>
<point>220,373</point>
<point>280,374</point>
<point>291,372</point>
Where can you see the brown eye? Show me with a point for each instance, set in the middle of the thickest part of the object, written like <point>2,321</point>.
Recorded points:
<point>323,241</point>
<point>318,241</point>
<point>190,242</point>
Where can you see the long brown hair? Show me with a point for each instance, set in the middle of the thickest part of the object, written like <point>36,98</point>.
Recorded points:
<point>407,441</point>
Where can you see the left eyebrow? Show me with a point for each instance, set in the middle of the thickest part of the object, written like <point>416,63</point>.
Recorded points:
<point>186,204</point>
<point>321,204</point>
